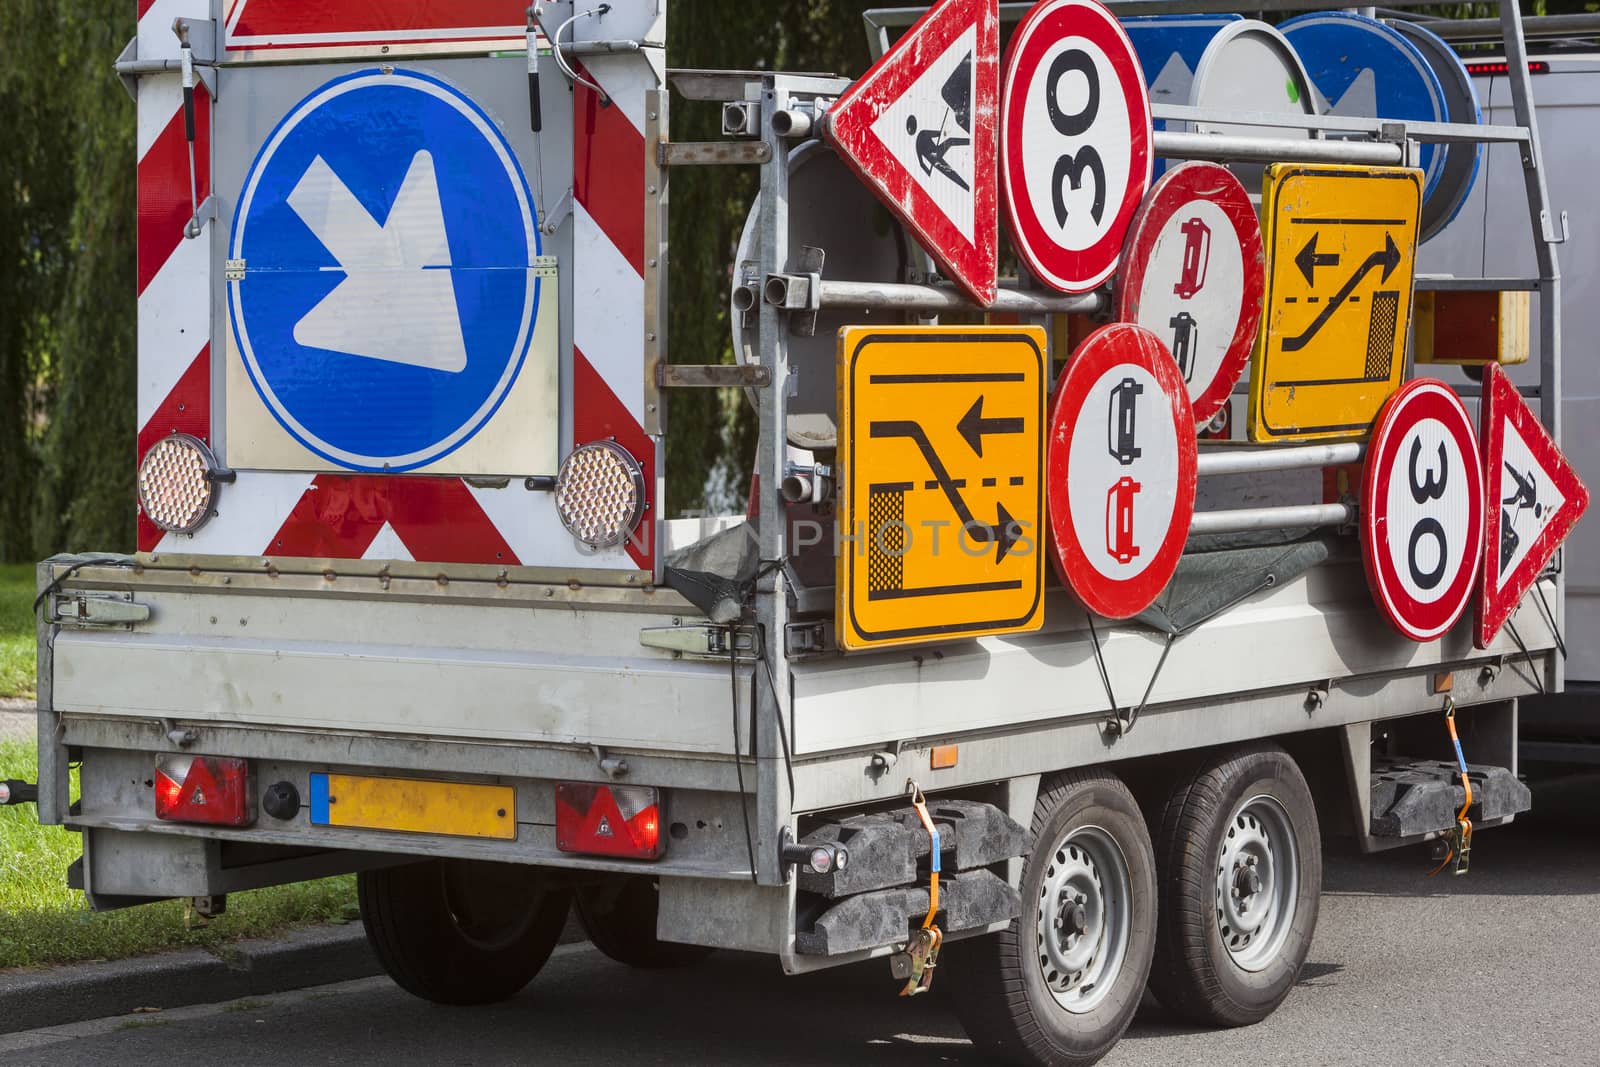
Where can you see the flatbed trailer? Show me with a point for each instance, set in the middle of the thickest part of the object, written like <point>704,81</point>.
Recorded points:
<point>321,637</point>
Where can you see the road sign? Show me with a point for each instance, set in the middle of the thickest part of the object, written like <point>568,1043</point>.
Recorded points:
<point>1366,68</point>
<point>1121,470</point>
<point>1193,274</point>
<point>384,274</point>
<point>1169,48</point>
<point>1534,498</point>
<point>1422,510</point>
<point>1074,142</point>
<point>919,128</point>
<point>1341,242</point>
<point>1461,158</point>
<point>941,445</point>
<point>1249,66</point>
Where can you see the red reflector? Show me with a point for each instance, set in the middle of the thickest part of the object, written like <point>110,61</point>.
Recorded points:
<point>1535,66</point>
<point>609,820</point>
<point>209,789</point>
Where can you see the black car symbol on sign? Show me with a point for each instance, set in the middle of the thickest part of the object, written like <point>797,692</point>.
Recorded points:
<point>1185,335</point>
<point>1120,422</point>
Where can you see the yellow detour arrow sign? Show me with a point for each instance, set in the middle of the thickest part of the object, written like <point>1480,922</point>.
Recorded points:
<point>1341,245</point>
<point>941,466</point>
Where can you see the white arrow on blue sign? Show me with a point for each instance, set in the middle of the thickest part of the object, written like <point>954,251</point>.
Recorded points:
<point>388,296</point>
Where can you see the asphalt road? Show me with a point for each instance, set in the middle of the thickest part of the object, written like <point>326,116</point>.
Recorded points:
<point>1496,967</point>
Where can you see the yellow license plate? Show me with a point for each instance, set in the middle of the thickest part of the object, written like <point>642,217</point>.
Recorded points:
<point>411,805</point>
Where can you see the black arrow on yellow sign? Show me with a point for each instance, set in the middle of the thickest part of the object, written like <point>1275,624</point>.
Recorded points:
<point>973,426</point>
<point>1310,259</point>
<point>1388,259</point>
<point>1003,534</point>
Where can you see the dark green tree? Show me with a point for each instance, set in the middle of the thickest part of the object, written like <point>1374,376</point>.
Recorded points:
<point>708,428</point>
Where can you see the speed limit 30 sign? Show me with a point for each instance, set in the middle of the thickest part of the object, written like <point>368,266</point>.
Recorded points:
<point>1074,142</point>
<point>1422,510</point>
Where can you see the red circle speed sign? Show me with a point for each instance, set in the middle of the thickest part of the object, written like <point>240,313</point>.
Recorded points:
<point>1193,272</point>
<point>1074,142</point>
<point>1422,509</point>
<point>1120,470</point>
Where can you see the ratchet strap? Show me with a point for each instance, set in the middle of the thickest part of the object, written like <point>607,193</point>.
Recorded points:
<point>1458,846</point>
<point>922,954</point>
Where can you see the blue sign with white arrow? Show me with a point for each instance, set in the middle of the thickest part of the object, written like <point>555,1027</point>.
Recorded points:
<point>1363,67</point>
<point>1169,48</point>
<point>388,295</point>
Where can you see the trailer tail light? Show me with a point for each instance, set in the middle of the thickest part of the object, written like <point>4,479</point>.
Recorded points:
<point>178,480</point>
<point>1535,66</point>
<point>609,820</point>
<point>208,789</point>
<point>600,494</point>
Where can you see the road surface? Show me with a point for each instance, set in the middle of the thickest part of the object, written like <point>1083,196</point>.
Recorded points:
<point>1496,967</point>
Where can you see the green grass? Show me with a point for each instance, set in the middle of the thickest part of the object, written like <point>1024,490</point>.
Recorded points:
<point>16,630</point>
<point>42,921</point>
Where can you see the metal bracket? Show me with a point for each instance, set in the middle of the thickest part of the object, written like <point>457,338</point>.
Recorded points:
<point>799,291</point>
<point>742,118</point>
<point>613,766</point>
<point>801,638</point>
<point>1317,697</point>
<point>1555,234</point>
<point>202,44</point>
<point>700,642</point>
<point>99,610</point>
<point>712,376</point>
<point>233,269</point>
<point>206,212</point>
<point>556,215</point>
<point>711,153</point>
<point>1491,671</point>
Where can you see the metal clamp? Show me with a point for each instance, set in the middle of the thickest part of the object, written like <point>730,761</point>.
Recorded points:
<point>799,291</point>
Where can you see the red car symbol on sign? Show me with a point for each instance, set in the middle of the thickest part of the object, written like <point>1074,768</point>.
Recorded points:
<point>1119,521</point>
<point>1196,258</point>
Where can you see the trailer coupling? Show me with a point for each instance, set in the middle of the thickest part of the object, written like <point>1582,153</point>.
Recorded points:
<point>15,792</point>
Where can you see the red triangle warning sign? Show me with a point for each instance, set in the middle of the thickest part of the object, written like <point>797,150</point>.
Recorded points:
<point>1534,499</point>
<point>920,129</point>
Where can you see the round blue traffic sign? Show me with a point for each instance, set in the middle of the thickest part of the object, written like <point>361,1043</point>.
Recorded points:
<point>1367,68</point>
<point>383,292</point>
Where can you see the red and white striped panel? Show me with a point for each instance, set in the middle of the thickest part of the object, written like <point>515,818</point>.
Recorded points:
<point>275,25</point>
<point>340,516</point>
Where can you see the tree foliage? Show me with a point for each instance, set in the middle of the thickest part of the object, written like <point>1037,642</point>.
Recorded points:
<point>66,279</point>
<point>712,433</point>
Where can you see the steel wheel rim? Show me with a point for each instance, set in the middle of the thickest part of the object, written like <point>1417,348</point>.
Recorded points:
<point>1258,882</point>
<point>1084,918</point>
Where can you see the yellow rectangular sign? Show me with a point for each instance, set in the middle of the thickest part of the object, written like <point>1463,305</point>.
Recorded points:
<point>941,507</point>
<point>459,809</point>
<point>1341,246</point>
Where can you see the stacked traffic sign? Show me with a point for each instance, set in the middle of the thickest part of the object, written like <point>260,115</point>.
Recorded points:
<point>919,129</point>
<point>1533,496</point>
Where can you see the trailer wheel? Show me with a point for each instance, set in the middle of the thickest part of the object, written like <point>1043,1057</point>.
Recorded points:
<point>1240,862</point>
<point>1062,983</point>
<point>461,931</point>
<point>620,917</point>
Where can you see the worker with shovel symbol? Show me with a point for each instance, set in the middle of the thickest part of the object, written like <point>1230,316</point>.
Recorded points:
<point>934,145</point>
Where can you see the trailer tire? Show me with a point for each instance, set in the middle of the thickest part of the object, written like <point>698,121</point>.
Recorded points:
<point>1233,835</point>
<point>461,931</point>
<point>620,918</point>
<point>1013,992</point>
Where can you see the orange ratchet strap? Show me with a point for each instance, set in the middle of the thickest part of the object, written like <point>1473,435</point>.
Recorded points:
<point>922,954</point>
<point>1459,843</point>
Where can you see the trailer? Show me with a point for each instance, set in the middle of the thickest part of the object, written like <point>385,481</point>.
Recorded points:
<point>405,601</point>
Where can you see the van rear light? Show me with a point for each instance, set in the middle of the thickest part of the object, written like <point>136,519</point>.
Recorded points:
<point>600,494</point>
<point>1535,66</point>
<point>609,820</point>
<point>208,789</point>
<point>178,480</point>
